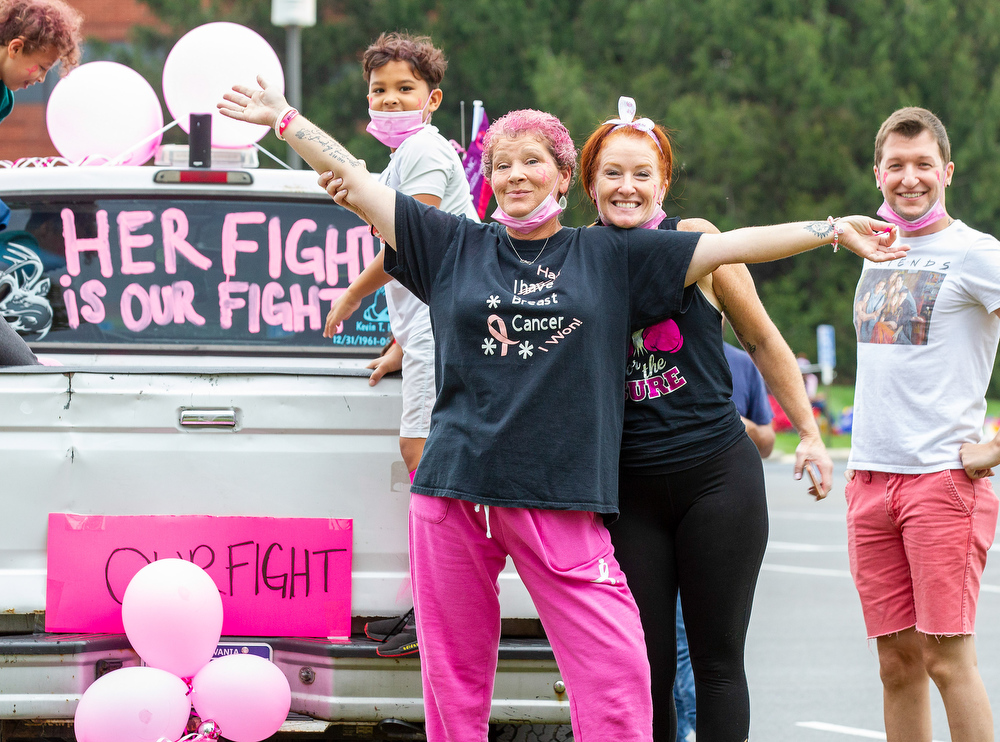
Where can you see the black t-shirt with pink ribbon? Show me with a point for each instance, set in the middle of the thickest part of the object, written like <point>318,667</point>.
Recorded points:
<point>528,362</point>
<point>678,407</point>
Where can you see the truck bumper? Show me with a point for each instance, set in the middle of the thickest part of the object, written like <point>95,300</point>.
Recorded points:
<point>43,676</point>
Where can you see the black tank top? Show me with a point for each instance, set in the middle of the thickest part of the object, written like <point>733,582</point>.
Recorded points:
<point>678,411</point>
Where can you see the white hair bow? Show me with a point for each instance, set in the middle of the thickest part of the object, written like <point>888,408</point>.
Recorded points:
<point>626,117</point>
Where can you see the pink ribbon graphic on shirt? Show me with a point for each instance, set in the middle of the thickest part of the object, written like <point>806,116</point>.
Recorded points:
<point>500,333</point>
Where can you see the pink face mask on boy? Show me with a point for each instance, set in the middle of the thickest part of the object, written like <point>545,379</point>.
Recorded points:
<point>392,128</point>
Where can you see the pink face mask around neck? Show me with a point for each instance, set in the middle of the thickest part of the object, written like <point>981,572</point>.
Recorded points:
<point>392,128</point>
<point>548,209</point>
<point>936,212</point>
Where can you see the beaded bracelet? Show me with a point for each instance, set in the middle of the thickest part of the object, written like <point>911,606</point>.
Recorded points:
<point>837,231</point>
<point>283,121</point>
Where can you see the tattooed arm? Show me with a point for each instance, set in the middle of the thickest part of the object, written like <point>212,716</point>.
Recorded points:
<point>360,192</point>
<point>861,235</point>
<point>734,290</point>
<point>760,337</point>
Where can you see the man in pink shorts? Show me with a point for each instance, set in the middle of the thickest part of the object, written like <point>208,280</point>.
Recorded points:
<point>921,513</point>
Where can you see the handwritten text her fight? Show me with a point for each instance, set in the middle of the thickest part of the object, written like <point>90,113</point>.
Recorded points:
<point>153,244</point>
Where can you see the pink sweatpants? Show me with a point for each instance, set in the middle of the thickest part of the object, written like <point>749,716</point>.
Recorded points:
<point>565,558</point>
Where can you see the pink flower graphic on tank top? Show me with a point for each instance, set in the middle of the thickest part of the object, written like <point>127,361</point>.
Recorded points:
<point>664,336</point>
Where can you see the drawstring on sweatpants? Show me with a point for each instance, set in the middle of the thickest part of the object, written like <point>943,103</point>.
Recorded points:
<point>488,534</point>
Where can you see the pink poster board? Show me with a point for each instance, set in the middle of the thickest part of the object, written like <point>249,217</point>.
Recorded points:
<point>276,576</point>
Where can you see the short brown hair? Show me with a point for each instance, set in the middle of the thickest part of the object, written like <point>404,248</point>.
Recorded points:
<point>909,123</point>
<point>425,59</point>
<point>591,154</point>
<point>43,24</point>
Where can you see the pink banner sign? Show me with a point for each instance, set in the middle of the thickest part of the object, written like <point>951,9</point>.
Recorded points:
<point>276,576</point>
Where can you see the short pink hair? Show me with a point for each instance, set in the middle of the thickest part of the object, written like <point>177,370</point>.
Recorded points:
<point>543,125</point>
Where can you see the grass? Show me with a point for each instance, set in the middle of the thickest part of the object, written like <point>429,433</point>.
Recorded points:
<point>837,398</point>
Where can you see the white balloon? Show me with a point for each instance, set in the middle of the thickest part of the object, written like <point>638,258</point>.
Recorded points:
<point>101,110</point>
<point>205,63</point>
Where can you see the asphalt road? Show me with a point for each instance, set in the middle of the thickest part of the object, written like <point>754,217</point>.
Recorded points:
<point>813,676</point>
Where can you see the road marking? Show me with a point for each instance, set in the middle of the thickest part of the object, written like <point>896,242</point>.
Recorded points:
<point>820,572</point>
<point>838,729</point>
<point>789,546</point>
<point>789,569</point>
<point>796,515</point>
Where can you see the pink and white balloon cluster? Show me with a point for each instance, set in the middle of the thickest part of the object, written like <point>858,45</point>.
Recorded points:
<point>105,112</point>
<point>173,618</point>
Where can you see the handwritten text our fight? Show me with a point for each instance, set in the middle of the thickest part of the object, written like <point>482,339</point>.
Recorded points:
<point>152,243</point>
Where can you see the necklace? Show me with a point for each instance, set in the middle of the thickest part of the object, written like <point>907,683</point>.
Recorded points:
<point>528,262</point>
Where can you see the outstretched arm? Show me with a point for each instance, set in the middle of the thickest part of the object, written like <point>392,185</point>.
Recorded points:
<point>866,237</point>
<point>734,288</point>
<point>362,192</point>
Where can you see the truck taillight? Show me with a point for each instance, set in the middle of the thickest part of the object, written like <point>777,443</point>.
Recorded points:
<point>223,177</point>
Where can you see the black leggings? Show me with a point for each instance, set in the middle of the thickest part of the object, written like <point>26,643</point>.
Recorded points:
<point>703,531</point>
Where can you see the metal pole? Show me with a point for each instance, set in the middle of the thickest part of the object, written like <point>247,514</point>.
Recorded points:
<point>293,72</point>
<point>462,109</point>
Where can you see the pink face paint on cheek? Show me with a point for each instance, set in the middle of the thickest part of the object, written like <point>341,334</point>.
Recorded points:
<point>542,175</point>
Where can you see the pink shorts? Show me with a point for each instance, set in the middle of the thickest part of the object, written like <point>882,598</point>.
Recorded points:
<point>917,545</point>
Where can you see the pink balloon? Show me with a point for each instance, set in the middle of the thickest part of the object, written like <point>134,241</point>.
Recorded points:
<point>173,616</point>
<point>134,704</point>
<point>247,696</point>
<point>205,63</point>
<point>103,109</point>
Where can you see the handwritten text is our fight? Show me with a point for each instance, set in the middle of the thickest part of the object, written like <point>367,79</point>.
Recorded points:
<point>174,301</point>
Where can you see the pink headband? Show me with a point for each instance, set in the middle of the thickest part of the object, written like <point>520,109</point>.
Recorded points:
<point>626,116</point>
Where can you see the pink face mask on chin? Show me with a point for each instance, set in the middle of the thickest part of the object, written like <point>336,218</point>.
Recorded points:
<point>392,128</point>
<point>548,209</point>
<point>936,212</point>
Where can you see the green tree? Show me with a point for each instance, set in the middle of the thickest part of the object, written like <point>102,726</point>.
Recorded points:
<point>773,104</point>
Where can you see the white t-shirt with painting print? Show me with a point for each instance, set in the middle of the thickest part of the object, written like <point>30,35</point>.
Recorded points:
<point>923,372</point>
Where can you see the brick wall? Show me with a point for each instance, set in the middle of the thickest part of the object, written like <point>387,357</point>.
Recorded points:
<point>23,133</point>
<point>109,20</point>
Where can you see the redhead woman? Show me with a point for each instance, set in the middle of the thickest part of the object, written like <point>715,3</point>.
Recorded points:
<point>691,496</point>
<point>529,319</point>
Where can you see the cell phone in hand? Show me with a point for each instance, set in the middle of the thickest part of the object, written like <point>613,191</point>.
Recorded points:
<point>817,480</point>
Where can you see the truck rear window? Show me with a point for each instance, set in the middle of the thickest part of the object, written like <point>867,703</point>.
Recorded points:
<point>135,273</point>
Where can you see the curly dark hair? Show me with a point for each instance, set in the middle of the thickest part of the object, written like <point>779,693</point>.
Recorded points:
<point>43,24</point>
<point>425,59</point>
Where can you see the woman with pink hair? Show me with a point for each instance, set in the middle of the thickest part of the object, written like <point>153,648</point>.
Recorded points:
<point>521,461</point>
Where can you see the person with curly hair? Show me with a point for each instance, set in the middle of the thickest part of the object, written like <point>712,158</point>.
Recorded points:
<point>35,35</point>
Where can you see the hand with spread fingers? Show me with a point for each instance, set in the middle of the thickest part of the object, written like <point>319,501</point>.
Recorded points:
<point>260,105</point>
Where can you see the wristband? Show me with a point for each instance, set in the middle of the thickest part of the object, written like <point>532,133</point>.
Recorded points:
<point>837,231</point>
<point>283,121</point>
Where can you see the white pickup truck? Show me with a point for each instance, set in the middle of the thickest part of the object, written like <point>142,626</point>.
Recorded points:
<point>184,311</point>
